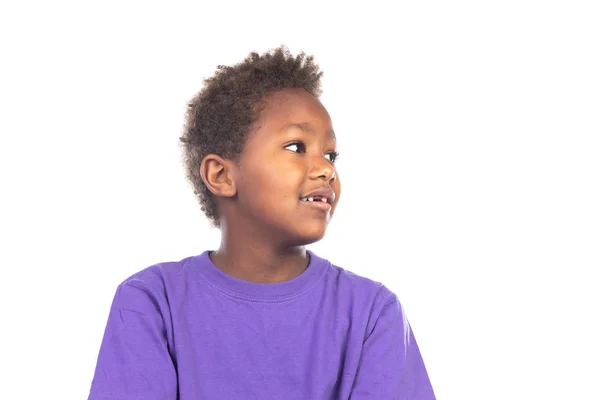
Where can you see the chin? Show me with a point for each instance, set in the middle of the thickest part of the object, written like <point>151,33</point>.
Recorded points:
<point>302,231</point>
<point>308,234</point>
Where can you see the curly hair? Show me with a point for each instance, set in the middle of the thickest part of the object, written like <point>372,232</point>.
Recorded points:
<point>220,117</point>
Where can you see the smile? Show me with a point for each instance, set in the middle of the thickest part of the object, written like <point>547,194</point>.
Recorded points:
<point>318,203</point>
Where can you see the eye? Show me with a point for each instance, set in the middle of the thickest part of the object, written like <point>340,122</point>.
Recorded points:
<point>334,155</point>
<point>300,147</point>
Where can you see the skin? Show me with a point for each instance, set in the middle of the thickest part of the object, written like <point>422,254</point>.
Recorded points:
<point>264,224</point>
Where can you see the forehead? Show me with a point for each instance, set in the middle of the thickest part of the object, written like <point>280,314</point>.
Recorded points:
<point>294,107</point>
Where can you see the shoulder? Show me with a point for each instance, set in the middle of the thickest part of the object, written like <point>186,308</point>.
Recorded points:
<point>363,291</point>
<point>157,280</point>
<point>361,285</point>
<point>366,301</point>
<point>160,272</point>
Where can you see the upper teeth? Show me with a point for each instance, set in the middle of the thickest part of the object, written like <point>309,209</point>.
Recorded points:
<point>323,199</point>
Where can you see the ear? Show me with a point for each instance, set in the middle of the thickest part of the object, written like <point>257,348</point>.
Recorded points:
<point>217,174</point>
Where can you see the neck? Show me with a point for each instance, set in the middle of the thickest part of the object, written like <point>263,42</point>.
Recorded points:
<point>251,256</point>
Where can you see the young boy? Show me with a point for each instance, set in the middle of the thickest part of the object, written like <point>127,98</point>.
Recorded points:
<point>261,317</point>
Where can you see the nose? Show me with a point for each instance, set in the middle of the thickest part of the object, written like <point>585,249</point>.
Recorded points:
<point>323,168</point>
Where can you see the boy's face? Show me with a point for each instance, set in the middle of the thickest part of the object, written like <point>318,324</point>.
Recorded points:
<point>288,156</point>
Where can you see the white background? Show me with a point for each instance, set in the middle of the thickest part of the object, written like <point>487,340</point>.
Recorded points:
<point>469,139</point>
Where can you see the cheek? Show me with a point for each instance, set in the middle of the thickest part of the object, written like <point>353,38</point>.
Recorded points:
<point>337,187</point>
<point>270,189</point>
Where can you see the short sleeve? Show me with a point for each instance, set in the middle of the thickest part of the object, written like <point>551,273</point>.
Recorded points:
<point>391,366</point>
<point>134,361</point>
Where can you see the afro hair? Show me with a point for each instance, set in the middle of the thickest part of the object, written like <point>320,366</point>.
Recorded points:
<point>220,117</point>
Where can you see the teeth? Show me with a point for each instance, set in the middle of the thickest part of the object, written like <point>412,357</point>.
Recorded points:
<point>323,199</point>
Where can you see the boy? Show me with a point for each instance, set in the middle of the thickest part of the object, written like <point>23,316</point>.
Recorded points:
<point>260,317</point>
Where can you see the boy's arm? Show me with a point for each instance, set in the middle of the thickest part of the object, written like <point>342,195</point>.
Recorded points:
<point>391,366</point>
<point>134,361</point>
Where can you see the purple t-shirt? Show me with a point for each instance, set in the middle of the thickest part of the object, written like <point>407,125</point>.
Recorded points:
<point>186,330</point>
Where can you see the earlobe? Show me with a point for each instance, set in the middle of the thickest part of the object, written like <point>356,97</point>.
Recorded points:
<point>216,173</point>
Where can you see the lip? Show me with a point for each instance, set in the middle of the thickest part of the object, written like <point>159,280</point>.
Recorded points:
<point>317,205</point>
<point>323,191</point>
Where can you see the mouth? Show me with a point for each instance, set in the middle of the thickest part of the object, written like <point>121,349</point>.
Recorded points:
<point>321,198</point>
<point>317,202</point>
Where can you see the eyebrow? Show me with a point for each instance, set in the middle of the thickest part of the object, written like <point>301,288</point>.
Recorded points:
<point>305,127</point>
